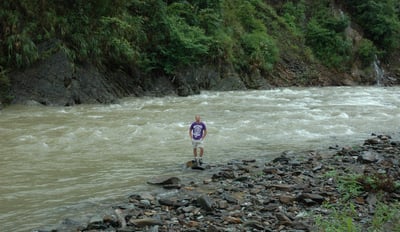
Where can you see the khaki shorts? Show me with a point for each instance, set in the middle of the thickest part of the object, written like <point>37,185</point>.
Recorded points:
<point>197,143</point>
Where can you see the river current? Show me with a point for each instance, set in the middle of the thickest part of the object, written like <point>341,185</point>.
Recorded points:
<point>65,162</point>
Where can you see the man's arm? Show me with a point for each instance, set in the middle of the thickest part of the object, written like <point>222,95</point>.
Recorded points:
<point>204,133</point>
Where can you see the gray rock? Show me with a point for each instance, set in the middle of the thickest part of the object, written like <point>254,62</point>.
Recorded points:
<point>205,202</point>
<point>310,198</point>
<point>143,222</point>
<point>164,180</point>
<point>287,201</point>
<point>368,157</point>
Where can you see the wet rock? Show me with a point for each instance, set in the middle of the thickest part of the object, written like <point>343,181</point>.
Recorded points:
<point>214,228</point>
<point>368,157</point>
<point>143,222</point>
<point>145,203</point>
<point>283,187</point>
<point>371,200</point>
<point>271,170</point>
<point>222,204</point>
<point>283,218</point>
<point>372,141</point>
<point>164,180</point>
<point>172,186</point>
<point>281,196</point>
<point>232,220</point>
<point>317,167</point>
<point>97,223</point>
<point>254,225</point>
<point>230,199</point>
<point>111,221</point>
<point>282,159</point>
<point>300,226</point>
<point>310,198</point>
<point>121,218</point>
<point>224,174</point>
<point>246,161</point>
<point>287,199</point>
<point>205,203</point>
<point>172,202</point>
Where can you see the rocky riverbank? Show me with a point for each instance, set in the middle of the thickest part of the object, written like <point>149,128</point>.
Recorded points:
<point>289,193</point>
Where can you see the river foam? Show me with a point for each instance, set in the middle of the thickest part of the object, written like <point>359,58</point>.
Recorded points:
<point>55,160</point>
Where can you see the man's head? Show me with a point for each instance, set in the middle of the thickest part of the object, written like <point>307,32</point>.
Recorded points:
<point>197,118</point>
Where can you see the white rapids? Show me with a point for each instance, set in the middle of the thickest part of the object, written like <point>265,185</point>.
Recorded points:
<point>59,162</point>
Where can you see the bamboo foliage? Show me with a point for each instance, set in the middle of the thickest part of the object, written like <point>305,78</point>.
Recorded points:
<point>165,36</point>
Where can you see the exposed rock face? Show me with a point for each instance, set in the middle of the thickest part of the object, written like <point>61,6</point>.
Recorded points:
<point>57,81</point>
<point>48,82</point>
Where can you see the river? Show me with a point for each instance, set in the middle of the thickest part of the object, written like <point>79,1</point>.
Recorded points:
<point>63,162</point>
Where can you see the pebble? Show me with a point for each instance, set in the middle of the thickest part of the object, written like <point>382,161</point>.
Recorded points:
<point>281,195</point>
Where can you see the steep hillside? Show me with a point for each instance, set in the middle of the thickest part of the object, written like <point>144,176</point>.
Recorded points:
<point>72,52</point>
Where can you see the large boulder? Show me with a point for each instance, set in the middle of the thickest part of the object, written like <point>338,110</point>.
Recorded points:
<point>47,82</point>
<point>55,80</point>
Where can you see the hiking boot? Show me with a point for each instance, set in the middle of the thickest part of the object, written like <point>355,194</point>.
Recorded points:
<point>200,161</point>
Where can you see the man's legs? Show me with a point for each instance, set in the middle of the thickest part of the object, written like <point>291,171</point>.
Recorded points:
<point>201,155</point>
<point>200,146</point>
<point>195,153</point>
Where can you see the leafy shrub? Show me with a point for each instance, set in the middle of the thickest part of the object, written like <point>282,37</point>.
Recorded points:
<point>210,21</point>
<point>17,48</point>
<point>294,15</point>
<point>252,47</point>
<point>260,49</point>
<point>119,40</point>
<point>380,20</point>
<point>383,25</point>
<point>329,46</point>
<point>221,48</point>
<point>21,50</point>
<point>377,182</point>
<point>186,45</point>
<point>367,51</point>
<point>185,11</point>
<point>246,13</point>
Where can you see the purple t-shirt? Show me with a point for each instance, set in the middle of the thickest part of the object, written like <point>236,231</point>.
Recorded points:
<point>197,130</point>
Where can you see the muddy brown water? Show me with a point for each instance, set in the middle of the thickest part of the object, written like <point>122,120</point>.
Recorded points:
<point>60,162</point>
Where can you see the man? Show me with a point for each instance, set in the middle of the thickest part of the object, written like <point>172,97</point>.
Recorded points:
<point>197,133</point>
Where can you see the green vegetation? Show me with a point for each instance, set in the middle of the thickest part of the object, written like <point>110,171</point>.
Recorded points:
<point>325,35</point>
<point>163,37</point>
<point>344,216</point>
<point>349,187</point>
<point>342,219</point>
<point>367,52</point>
<point>380,20</point>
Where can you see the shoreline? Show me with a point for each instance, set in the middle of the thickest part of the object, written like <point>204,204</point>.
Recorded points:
<point>291,192</point>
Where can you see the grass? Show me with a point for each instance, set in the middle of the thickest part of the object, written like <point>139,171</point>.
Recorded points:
<point>341,219</point>
<point>343,214</point>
